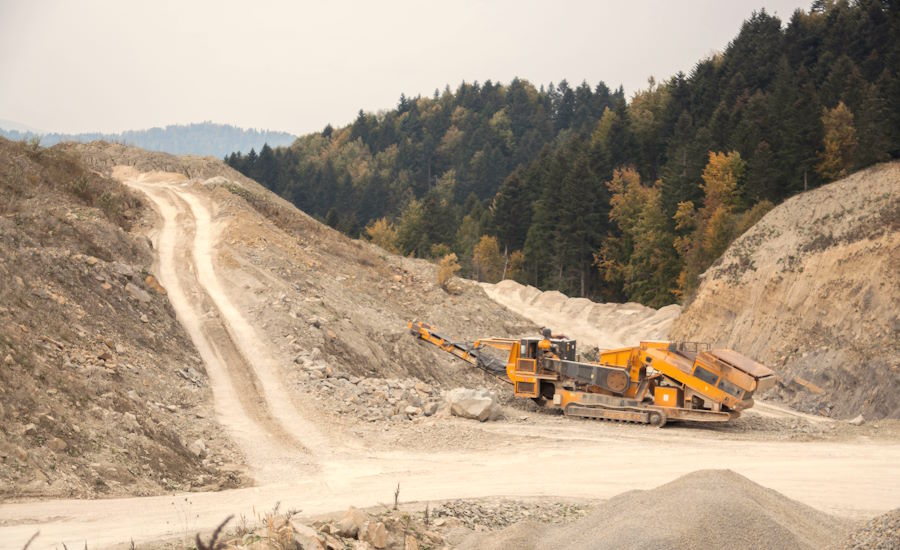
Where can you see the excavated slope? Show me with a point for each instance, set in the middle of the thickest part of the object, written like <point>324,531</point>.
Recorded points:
<point>101,391</point>
<point>812,290</point>
<point>703,509</point>
<point>314,287</point>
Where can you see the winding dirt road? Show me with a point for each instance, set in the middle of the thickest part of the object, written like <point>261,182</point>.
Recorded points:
<point>296,463</point>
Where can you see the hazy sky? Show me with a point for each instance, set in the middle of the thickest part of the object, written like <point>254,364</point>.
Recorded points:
<point>296,66</point>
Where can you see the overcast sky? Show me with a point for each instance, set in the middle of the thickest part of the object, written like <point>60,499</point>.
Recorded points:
<point>296,66</point>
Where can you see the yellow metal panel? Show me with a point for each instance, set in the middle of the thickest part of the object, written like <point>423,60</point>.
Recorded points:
<point>666,397</point>
<point>524,365</point>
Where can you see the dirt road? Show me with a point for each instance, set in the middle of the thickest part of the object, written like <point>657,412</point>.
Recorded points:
<point>296,463</point>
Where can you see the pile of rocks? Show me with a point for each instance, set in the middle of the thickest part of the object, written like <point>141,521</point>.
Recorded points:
<point>491,515</point>
<point>882,532</point>
<point>389,529</point>
<point>370,399</point>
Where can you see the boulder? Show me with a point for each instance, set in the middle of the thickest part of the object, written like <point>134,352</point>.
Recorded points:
<point>477,404</point>
<point>154,284</point>
<point>198,448</point>
<point>430,408</point>
<point>124,270</point>
<point>306,537</point>
<point>137,293</point>
<point>352,522</point>
<point>858,421</point>
<point>375,534</point>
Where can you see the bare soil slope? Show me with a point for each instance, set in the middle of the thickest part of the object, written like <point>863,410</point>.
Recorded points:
<point>812,290</point>
<point>101,391</point>
<point>703,509</point>
<point>313,287</point>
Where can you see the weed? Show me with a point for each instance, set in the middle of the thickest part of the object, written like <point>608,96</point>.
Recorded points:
<point>34,536</point>
<point>214,543</point>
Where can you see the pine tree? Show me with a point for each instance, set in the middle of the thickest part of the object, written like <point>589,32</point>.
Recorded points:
<point>762,175</point>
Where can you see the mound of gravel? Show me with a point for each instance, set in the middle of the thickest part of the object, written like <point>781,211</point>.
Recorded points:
<point>880,533</point>
<point>704,509</point>
<point>592,324</point>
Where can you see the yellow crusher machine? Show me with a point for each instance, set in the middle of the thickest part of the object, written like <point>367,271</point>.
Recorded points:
<point>652,383</point>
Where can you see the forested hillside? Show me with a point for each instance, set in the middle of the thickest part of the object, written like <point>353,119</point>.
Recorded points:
<point>578,189</point>
<point>205,138</point>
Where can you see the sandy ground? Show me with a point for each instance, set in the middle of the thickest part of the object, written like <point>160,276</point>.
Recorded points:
<point>299,462</point>
<point>605,326</point>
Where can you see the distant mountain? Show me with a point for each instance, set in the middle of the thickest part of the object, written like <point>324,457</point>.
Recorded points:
<point>205,138</point>
<point>18,127</point>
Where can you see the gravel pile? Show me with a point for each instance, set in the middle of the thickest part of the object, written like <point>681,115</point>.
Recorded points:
<point>370,399</point>
<point>704,509</point>
<point>497,515</point>
<point>880,533</point>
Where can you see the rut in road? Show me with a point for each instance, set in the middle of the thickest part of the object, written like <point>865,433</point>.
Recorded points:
<point>249,399</point>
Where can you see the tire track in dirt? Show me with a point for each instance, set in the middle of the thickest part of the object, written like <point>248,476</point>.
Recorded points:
<point>275,440</point>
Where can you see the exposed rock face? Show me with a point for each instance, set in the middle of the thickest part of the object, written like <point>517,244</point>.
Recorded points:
<point>478,404</point>
<point>811,290</point>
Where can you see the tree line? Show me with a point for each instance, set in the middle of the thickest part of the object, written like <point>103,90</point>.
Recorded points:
<point>576,188</point>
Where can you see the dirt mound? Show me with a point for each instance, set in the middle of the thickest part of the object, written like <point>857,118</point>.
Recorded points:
<point>602,325</point>
<point>812,291</point>
<point>704,509</point>
<point>101,391</point>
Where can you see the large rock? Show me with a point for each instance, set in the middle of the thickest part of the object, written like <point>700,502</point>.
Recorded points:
<point>352,522</point>
<point>306,537</point>
<point>477,404</point>
<point>198,448</point>
<point>375,534</point>
<point>137,293</point>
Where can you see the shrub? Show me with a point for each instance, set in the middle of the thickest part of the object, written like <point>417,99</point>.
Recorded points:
<point>446,270</point>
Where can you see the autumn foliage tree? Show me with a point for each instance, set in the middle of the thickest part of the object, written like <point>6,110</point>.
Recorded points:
<point>708,231</point>
<point>487,260</point>
<point>383,233</point>
<point>836,159</point>
<point>640,257</point>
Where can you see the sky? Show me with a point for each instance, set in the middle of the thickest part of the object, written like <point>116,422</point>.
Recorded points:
<point>109,66</point>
